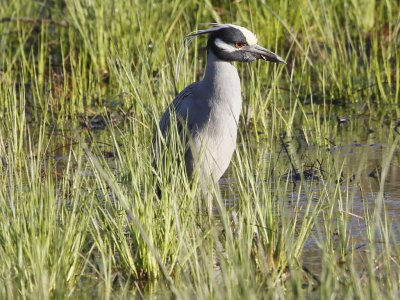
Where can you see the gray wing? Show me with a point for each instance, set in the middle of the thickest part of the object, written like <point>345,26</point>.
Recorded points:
<point>180,107</point>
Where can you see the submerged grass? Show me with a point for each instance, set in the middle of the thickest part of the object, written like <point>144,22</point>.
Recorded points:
<point>79,217</point>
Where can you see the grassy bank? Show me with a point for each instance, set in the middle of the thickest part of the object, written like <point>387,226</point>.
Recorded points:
<point>82,84</point>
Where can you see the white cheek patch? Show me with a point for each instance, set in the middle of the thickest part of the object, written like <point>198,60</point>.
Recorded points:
<point>251,39</point>
<point>224,46</point>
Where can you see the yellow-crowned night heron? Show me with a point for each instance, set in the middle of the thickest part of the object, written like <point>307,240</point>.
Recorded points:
<point>210,108</point>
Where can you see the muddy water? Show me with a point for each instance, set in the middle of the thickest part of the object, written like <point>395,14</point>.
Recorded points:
<point>362,156</point>
<point>365,160</point>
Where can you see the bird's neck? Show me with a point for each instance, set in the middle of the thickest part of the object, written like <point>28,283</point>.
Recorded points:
<point>220,74</point>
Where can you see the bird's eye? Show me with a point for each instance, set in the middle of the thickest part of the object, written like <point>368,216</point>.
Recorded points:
<point>239,45</point>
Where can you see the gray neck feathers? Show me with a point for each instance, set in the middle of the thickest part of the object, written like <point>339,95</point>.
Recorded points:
<point>222,84</point>
<point>220,74</point>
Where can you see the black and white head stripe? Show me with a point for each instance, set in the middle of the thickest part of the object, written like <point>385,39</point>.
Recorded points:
<point>229,32</point>
<point>224,46</point>
<point>230,42</point>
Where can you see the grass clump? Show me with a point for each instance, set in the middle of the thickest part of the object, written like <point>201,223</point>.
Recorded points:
<point>307,208</point>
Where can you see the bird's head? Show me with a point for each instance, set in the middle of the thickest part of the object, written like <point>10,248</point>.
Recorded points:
<point>235,43</point>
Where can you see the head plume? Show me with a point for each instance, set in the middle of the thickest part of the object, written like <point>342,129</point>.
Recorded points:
<point>215,27</point>
<point>250,37</point>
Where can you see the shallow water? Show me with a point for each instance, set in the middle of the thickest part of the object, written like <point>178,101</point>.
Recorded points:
<point>364,193</point>
<point>362,163</point>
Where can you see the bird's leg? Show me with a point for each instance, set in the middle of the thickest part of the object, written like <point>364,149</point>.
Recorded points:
<point>209,204</point>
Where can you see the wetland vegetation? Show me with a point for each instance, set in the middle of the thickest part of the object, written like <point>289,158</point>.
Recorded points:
<point>308,209</point>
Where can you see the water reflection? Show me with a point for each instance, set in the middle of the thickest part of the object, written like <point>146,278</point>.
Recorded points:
<point>364,163</point>
<point>361,166</point>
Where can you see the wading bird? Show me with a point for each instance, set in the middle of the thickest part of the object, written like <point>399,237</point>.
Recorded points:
<point>207,112</point>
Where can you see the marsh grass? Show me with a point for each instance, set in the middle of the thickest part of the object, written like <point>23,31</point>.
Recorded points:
<point>79,217</point>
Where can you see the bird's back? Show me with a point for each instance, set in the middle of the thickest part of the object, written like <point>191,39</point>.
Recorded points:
<point>183,114</point>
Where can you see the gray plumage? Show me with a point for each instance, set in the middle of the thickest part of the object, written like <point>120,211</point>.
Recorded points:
<point>210,108</point>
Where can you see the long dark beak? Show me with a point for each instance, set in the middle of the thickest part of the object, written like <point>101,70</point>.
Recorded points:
<point>264,54</point>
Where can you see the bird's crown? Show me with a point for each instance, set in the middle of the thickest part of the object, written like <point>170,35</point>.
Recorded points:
<point>234,31</point>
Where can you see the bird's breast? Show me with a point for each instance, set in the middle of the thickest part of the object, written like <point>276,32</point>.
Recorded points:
<point>216,115</point>
<point>218,137</point>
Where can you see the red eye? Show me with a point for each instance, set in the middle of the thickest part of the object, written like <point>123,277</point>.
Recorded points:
<point>239,45</point>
